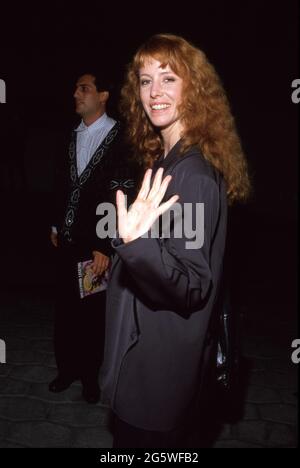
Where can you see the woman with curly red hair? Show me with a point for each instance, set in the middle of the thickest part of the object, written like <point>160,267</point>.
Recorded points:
<point>163,288</point>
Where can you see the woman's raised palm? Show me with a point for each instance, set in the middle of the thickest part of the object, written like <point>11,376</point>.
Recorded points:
<point>146,208</point>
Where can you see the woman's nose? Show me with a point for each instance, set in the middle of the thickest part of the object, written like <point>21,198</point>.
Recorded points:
<point>156,90</point>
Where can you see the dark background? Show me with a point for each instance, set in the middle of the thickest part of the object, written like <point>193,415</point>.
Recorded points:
<point>253,46</point>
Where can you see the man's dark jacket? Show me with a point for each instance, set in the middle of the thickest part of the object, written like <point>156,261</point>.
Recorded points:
<point>77,197</point>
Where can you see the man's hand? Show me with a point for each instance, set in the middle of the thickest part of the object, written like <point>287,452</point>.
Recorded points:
<point>53,238</point>
<point>100,263</point>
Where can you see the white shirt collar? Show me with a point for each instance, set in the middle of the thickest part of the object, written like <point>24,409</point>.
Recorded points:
<point>99,123</point>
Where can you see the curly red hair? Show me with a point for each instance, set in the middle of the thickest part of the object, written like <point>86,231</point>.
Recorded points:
<point>205,112</point>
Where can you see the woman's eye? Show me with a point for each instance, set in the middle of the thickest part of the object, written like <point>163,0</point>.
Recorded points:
<point>144,82</point>
<point>168,79</point>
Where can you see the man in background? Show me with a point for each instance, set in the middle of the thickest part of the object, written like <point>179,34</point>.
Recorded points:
<point>95,167</point>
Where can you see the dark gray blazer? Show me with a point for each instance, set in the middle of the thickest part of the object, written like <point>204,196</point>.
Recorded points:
<point>159,304</point>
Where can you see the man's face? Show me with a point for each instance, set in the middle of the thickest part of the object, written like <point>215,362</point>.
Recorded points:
<point>88,100</point>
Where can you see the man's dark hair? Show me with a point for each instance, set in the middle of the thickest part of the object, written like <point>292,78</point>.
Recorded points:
<point>103,82</point>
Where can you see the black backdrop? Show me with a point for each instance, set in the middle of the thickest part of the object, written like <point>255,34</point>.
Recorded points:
<point>253,45</point>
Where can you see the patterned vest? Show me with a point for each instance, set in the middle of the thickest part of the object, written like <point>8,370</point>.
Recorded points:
<point>77,182</point>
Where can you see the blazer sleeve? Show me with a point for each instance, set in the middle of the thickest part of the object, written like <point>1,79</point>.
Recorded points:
<point>166,272</point>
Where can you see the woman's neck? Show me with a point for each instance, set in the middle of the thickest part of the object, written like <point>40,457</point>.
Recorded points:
<point>170,136</point>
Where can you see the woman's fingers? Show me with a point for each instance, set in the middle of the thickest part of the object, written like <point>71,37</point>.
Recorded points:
<point>121,205</point>
<point>156,184</point>
<point>143,193</point>
<point>158,189</point>
<point>167,205</point>
<point>161,191</point>
<point>146,207</point>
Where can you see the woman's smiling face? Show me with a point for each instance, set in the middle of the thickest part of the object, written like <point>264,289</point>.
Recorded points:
<point>160,93</point>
